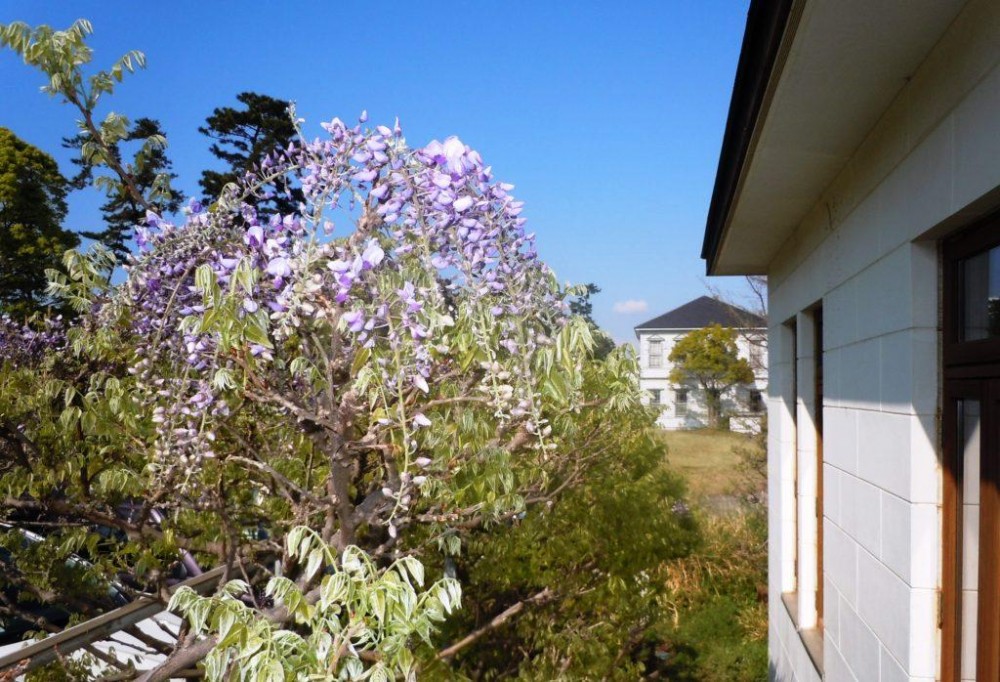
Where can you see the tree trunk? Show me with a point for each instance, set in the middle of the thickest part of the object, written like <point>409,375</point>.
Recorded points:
<point>713,399</point>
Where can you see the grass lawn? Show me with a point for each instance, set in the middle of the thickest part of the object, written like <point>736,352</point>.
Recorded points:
<point>706,459</point>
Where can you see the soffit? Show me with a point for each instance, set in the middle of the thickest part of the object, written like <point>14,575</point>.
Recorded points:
<point>847,61</point>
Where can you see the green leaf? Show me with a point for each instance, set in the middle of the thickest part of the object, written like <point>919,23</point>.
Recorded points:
<point>315,562</point>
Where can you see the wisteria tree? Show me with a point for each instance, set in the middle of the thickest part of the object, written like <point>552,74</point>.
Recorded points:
<point>327,402</point>
<point>322,402</point>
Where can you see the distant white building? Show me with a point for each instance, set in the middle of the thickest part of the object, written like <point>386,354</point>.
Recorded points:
<point>684,406</point>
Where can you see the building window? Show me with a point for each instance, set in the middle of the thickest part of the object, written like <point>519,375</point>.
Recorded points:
<point>980,275</point>
<point>656,352</point>
<point>755,402</point>
<point>655,396</point>
<point>970,594</point>
<point>809,479</point>
<point>681,401</point>
<point>790,463</point>
<point>804,400</point>
<point>817,418</point>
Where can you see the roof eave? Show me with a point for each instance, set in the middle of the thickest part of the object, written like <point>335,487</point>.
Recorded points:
<point>689,329</point>
<point>767,21</point>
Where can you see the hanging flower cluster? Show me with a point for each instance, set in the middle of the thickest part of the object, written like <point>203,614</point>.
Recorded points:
<point>23,344</point>
<point>436,243</point>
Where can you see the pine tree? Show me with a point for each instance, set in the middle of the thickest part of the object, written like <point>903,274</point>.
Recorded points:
<point>122,211</point>
<point>243,137</point>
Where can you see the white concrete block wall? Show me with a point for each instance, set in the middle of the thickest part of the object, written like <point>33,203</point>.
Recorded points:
<point>868,252</point>
<point>881,477</point>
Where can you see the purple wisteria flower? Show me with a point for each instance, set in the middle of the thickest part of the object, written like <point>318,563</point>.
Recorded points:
<point>23,344</point>
<point>437,242</point>
<point>372,255</point>
<point>254,237</point>
<point>278,267</point>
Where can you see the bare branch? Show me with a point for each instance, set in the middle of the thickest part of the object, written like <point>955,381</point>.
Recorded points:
<point>497,621</point>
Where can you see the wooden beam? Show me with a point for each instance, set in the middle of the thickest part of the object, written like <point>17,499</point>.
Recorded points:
<point>94,630</point>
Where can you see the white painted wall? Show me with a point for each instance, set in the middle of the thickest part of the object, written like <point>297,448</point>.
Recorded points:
<point>867,252</point>
<point>734,401</point>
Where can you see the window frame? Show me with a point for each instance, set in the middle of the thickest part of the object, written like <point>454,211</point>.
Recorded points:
<point>978,238</point>
<point>804,602</point>
<point>681,402</point>
<point>971,371</point>
<point>658,356</point>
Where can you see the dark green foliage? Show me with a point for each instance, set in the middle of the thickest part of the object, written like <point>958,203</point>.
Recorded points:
<point>588,566</point>
<point>32,239</point>
<point>122,211</point>
<point>711,646</point>
<point>242,138</point>
<point>719,604</point>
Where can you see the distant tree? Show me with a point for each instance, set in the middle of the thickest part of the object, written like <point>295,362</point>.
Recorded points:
<point>751,308</point>
<point>123,211</point>
<point>581,305</point>
<point>710,357</point>
<point>32,239</point>
<point>243,138</point>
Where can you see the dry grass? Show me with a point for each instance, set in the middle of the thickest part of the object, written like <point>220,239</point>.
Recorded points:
<point>717,596</point>
<point>707,459</point>
<point>733,558</point>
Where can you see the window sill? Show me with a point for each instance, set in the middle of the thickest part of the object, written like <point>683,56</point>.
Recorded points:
<point>812,638</point>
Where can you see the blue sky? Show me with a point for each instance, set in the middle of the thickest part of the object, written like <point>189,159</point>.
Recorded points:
<point>607,116</point>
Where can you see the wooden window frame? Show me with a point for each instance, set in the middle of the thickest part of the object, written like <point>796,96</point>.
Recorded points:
<point>971,371</point>
<point>817,319</point>
<point>981,237</point>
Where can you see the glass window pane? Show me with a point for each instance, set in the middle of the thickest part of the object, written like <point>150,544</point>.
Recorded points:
<point>981,295</point>
<point>969,428</point>
<point>656,353</point>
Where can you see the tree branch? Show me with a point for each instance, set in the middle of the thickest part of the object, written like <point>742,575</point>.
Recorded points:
<point>184,657</point>
<point>498,620</point>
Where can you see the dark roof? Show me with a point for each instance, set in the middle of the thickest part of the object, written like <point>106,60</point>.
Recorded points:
<point>766,21</point>
<point>703,312</point>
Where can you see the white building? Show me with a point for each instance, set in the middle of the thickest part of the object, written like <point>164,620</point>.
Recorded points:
<point>860,171</point>
<point>684,406</point>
